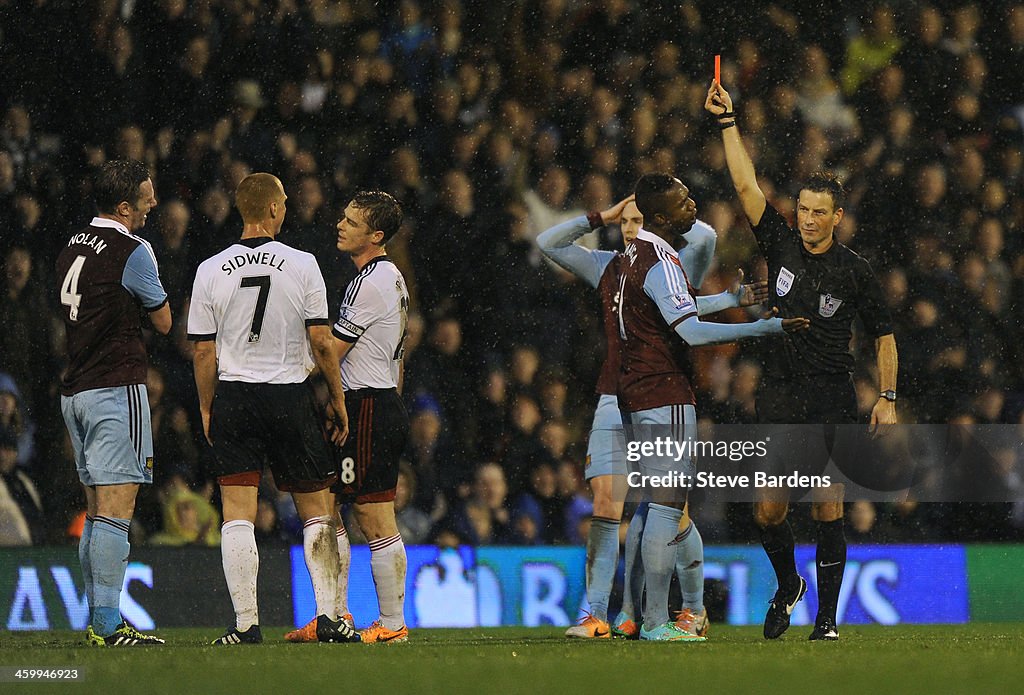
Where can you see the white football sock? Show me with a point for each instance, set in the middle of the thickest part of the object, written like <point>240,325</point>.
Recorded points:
<point>241,565</point>
<point>345,555</point>
<point>322,562</point>
<point>388,562</point>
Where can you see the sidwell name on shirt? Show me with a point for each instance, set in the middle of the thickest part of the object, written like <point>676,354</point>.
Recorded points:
<point>242,260</point>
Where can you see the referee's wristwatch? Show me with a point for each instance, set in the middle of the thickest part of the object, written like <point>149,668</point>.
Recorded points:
<point>889,395</point>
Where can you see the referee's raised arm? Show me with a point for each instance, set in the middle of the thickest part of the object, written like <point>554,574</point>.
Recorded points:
<point>741,169</point>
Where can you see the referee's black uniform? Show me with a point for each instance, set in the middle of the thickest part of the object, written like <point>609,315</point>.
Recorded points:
<point>808,373</point>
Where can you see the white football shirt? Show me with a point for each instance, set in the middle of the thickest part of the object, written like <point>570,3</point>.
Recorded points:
<point>256,299</point>
<point>373,315</point>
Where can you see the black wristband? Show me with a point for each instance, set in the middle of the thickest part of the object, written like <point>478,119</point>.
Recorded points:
<point>595,219</point>
<point>727,114</point>
<point>726,126</point>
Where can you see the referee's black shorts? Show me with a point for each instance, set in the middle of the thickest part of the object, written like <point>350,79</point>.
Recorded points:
<point>367,464</point>
<point>255,424</point>
<point>823,399</point>
<point>817,403</point>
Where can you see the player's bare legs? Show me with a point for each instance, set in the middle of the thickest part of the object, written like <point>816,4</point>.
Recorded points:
<point>388,565</point>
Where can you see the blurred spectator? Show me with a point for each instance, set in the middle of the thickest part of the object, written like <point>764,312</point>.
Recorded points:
<point>491,122</point>
<point>189,519</point>
<point>413,524</point>
<point>538,513</point>
<point>483,517</point>
<point>21,508</point>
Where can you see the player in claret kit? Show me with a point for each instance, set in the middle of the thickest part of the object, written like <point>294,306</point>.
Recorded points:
<point>656,308</point>
<point>605,465</point>
<point>108,275</point>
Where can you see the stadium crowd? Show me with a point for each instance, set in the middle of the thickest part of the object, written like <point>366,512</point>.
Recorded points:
<point>491,122</point>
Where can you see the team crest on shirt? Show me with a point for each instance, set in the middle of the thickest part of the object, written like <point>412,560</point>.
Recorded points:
<point>828,305</point>
<point>784,283</point>
<point>683,302</point>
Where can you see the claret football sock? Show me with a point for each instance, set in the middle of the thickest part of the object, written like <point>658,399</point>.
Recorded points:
<point>241,565</point>
<point>108,559</point>
<point>779,545</point>
<point>830,563</point>
<point>602,559</point>
<point>320,548</point>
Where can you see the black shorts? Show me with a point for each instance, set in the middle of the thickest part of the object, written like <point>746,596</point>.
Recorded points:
<point>817,404</point>
<point>252,425</point>
<point>378,429</point>
<point>824,399</point>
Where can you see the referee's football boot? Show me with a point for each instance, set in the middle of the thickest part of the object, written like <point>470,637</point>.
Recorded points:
<point>328,630</point>
<point>825,630</point>
<point>781,608</point>
<point>234,636</point>
<point>124,636</point>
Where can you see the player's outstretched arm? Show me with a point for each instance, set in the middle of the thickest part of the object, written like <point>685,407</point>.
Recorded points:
<point>741,169</point>
<point>738,295</point>
<point>558,244</point>
<point>324,354</point>
<point>696,332</point>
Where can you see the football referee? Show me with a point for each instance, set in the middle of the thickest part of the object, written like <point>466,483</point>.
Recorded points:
<point>809,380</point>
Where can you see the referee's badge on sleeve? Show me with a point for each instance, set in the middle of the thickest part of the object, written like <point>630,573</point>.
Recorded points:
<point>828,305</point>
<point>785,282</point>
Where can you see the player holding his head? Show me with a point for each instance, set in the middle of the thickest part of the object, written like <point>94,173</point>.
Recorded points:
<point>605,467</point>
<point>809,379</point>
<point>108,274</point>
<point>259,323</point>
<point>656,308</point>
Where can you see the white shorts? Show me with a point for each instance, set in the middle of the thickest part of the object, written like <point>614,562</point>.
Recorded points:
<point>606,449</point>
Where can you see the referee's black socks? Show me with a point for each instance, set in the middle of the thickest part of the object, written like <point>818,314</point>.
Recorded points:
<point>831,561</point>
<point>779,545</point>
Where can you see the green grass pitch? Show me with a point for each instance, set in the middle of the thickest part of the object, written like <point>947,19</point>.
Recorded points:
<point>976,658</point>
